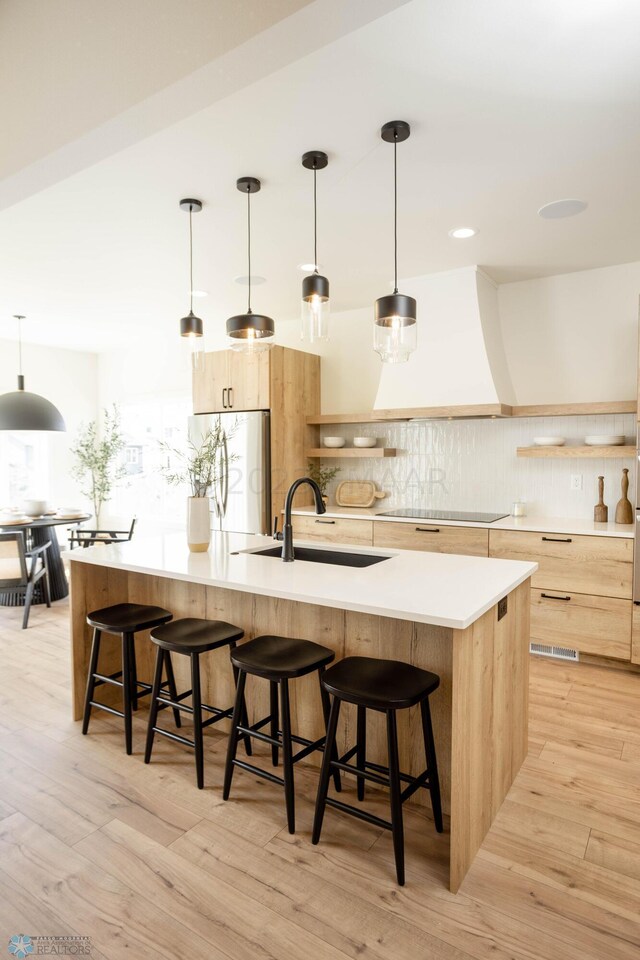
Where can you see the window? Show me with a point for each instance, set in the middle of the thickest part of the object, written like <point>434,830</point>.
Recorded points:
<point>24,467</point>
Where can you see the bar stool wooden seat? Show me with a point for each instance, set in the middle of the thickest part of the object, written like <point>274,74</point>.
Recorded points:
<point>123,620</point>
<point>190,637</point>
<point>278,660</point>
<point>386,686</point>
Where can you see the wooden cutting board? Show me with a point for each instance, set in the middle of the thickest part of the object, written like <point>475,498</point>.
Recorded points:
<point>357,493</point>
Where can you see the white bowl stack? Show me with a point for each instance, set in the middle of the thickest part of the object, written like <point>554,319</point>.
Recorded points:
<point>605,440</point>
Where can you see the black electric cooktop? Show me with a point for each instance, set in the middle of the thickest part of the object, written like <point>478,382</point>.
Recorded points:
<point>469,516</point>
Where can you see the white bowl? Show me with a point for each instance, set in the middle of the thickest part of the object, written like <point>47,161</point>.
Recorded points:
<point>34,508</point>
<point>549,441</point>
<point>364,441</point>
<point>605,440</point>
<point>333,442</point>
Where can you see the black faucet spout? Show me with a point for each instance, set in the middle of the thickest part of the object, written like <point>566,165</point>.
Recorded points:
<point>288,554</point>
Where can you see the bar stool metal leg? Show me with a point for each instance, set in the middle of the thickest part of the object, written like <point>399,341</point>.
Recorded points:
<point>397,828</point>
<point>432,764</point>
<point>126,692</point>
<point>325,770</point>
<point>91,680</point>
<point>273,706</point>
<point>153,707</point>
<point>232,747</point>
<point>361,752</point>
<point>196,700</point>
<point>287,758</point>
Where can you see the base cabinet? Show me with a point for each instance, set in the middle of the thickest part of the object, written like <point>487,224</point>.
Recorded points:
<point>595,625</point>
<point>470,541</point>
<point>329,530</point>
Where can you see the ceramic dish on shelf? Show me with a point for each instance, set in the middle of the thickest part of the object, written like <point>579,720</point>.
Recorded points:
<point>549,441</point>
<point>333,442</point>
<point>364,441</point>
<point>605,440</point>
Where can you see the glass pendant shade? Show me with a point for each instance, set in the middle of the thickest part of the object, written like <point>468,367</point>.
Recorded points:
<point>315,308</point>
<point>395,330</point>
<point>21,410</point>
<point>250,332</point>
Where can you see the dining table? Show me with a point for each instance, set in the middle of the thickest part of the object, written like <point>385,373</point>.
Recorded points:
<point>39,530</point>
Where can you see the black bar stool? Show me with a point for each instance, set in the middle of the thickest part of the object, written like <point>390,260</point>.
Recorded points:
<point>278,660</point>
<point>386,686</point>
<point>123,620</point>
<point>190,637</point>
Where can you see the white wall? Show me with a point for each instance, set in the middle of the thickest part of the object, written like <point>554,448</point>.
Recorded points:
<point>573,337</point>
<point>69,379</point>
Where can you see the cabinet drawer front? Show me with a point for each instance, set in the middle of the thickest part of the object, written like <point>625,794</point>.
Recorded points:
<point>602,566</point>
<point>333,530</point>
<point>596,625</point>
<point>431,537</point>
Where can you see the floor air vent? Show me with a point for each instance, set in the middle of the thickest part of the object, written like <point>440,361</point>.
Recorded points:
<point>559,653</point>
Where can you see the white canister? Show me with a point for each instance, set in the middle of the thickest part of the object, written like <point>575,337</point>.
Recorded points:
<point>198,524</point>
<point>518,508</point>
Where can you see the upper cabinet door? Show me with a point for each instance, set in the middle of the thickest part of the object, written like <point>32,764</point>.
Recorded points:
<point>248,381</point>
<point>225,381</point>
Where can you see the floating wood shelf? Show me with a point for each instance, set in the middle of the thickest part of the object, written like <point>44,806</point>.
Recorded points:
<point>595,453</point>
<point>331,452</point>
<point>479,411</point>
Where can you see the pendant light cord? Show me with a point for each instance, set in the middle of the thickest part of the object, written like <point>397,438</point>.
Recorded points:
<point>315,219</point>
<point>395,215</point>
<point>19,319</point>
<point>249,248</point>
<point>190,260</point>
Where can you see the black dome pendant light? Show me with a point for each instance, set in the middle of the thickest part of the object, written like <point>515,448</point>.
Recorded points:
<point>395,327</point>
<point>250,332</point>
<point>191,326</point>
<point>315,288</point>
<point>21,410</point>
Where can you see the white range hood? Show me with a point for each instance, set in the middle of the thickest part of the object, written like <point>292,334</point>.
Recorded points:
<point>460,358</point>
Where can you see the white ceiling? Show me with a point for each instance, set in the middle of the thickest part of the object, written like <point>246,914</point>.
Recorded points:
<point>512,105</point>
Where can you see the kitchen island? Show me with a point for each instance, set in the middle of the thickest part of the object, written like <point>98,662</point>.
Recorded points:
<point>464,618</point>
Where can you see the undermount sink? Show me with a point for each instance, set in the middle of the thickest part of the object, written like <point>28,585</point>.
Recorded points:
<point>338,557</point>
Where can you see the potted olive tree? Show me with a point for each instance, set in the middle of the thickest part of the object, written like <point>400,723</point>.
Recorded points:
<point>322,476</point>
<point>97,452</point>
<point>199,466</point>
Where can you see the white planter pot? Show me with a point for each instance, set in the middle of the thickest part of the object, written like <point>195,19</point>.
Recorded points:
<point>198,524</point>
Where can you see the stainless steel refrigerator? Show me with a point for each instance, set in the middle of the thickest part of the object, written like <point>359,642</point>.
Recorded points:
<point>241,500</point>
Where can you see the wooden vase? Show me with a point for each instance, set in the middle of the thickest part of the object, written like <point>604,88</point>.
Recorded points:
<point>624,510</point>
<point>198,524</point>
<point>601,510</point>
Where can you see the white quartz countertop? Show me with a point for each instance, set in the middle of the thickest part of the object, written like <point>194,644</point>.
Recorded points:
<point>534,524</point>
<point>441,589</point>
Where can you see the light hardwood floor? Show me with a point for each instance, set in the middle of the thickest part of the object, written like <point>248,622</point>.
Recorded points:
<point>96,843</point>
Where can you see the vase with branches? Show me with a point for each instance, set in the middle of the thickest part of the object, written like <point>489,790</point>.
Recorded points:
<point>322,476</point>
<point>201,467</point>
<point>96,451</point>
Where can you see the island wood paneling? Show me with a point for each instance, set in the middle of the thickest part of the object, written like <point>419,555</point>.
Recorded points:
<point>479,710</point>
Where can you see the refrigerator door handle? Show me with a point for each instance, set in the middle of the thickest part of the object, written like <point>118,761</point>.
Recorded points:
<point>224,479</point>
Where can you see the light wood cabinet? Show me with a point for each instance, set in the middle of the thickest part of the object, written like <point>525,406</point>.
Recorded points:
<point>601,566</point>
<point>595,625</point>
<point>473,541</point>
<point>225,380</point>
<point>330,530</point>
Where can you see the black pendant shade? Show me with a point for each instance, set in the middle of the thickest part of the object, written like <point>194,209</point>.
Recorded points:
<point>315,288</point>
<point>191,326</point>
<point>21,410</point>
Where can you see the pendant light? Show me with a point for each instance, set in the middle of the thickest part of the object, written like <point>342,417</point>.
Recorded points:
<point>395,328</point>
<point>191,326</point>
<point>21,410</point>
<point>250,332</point>
<point>315,289</point>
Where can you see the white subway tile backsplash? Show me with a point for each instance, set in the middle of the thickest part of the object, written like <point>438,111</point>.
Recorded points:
<point>472,464</point>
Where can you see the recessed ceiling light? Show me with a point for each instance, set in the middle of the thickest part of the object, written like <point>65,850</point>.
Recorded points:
<point>462,233</point>
<point>310,267</point>
<point>255,281</point>
<point>199,293</point>
<point>562,208</point>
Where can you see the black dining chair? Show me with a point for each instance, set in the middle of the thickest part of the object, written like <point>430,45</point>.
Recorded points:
<point>82,537</point>
<point>19,577</point>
